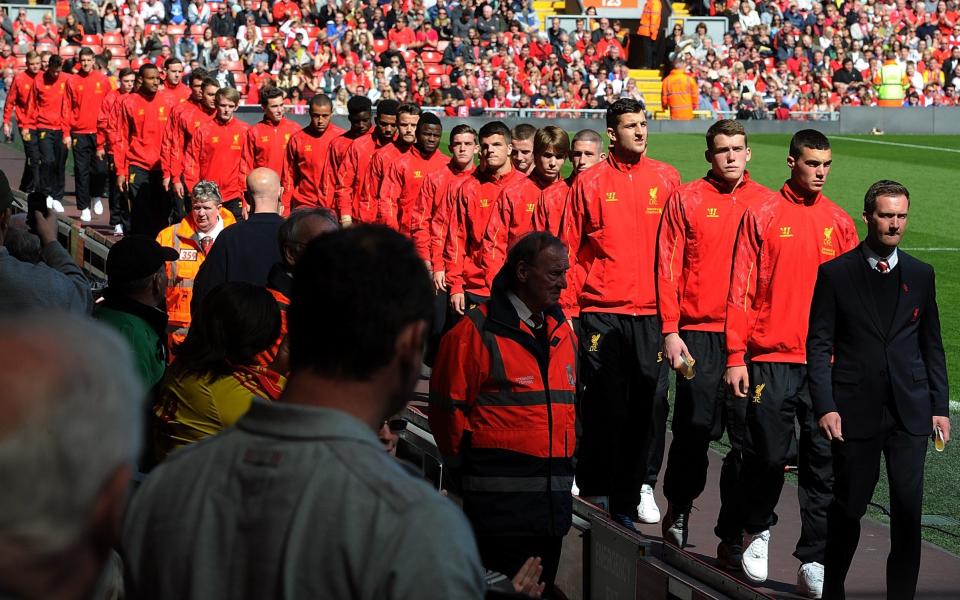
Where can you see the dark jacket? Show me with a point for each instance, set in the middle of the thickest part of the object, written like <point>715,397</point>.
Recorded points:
<point>872,363</point>
<point>243,252</point>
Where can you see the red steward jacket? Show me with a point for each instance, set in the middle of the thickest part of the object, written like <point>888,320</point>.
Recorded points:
<point>695,251</point>
<point>502,401</point>
<point>266,146</point>
<point>615,211</point>
<point>139,131</point>
<point>185,120</point>
<point>432,212</point>
<point>215,154</point>
<point>781,242</point>
<point>48,107</point>
<point>463,251</point>
<point>305,163</point>
<point>18,101</point>
<point>514,216</point>
<point>401,187</point>
<point>352,175</point>
<point>85,96</point>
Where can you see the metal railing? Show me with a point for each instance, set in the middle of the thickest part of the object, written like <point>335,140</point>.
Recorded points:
<point>545,113</point>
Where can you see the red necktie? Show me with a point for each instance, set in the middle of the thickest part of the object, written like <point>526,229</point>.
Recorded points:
<point>205,243</point>
<point>882,265</point>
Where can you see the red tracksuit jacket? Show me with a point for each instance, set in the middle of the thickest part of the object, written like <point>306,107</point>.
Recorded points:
<point>18,101</point>
<point>615,211</point>
<point>352,175</point>
<point>139,132</point>
<point>401,187</point>
<point>431,214</point>
<point>108,117</point>
<point>305,164</point>
<point>85,96</point>
<point>695,251</point>
<point>552,216</point>
<point>463,251</point>
<point>781,242</point>
<point>266,146</point>
<point>185,120</point>
<point>48,103</point>
<point>215,154</point>
<point>514,216</point>
<point>372,183</point>
<point>180,93</point>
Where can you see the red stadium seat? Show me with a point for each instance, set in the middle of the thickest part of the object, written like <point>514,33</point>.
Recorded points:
<point>117,51</point>
<point>380,46</point>
<point>434,81</point>
<point>409,56</point>
<point>222,41</point>
<point>112,39</point>
<point>197,29</point>
<point>21,61</point>
<point>434,69</point>
<point>138,62</point>
<point>150,28</point>
<point>41,48</point>
<point>68,52</point>
<point>176,29</point>
<point>119,63</point>
<point>430,57</point>
<point>268,31</point>
<point>235,66</point>
<point>241,80</point>
<point>92,39</point>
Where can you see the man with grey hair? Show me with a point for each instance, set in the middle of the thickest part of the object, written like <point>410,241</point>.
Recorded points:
<point>68,441</point>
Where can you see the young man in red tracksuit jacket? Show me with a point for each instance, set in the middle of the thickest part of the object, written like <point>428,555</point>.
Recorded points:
<point>86,92</point>
<point>216,153</point>
<point>356,163</point>
<point>781,242</point>
<point>360,115</point>
<point>405,176</point>
<point>463,250</point>
<point>515,209</point>
<point>303,169</point>
<point>106,131</point>
<point>408,115</point>
<point>694,255</point>
<point>18,104</point>
<point>266,142</point>
<point>49,114</point>
<point>185,120</point>
<point>143,117</point>
<point>615,209</point>
<point>173,81</point>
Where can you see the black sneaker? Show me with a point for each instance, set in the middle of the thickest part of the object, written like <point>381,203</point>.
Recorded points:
<point>675,526</point>
<point>625,521</point>
<point>729,555</point>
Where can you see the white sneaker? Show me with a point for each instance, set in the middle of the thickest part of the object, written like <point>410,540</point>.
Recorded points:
<point>49,201</point>
<point>57,206</point>
<point>754,561</point>
<point>118,229</point>
<point>810,580</point>
<point>647,510</point>
<point>85,215</point>
<point>575,489</point>
<point>98,206</point>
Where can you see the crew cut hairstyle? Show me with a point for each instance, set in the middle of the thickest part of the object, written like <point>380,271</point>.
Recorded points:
<point>551,139</point>
<point>588,135</point>
<point>808,138</point>
<point>496,128</point>
<point>198,74</point>
<point>727,127</point>
<point>623,106</point>
<point>237,321</point>
<point>884,187</point>
<point>354,291</point>
<point>321,100</point>
<point>85,51</point>
<point>269,94</point>
<point>526,250</point>
<point>462,129</point>
<point>408,108</point>
<point>523,131</point>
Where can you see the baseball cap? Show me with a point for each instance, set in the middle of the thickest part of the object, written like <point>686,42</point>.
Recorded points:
<point>6,195</point>
<point>136,257</point>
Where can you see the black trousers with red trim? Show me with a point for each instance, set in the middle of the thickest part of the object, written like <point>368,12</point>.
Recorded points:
<point>623,407</point>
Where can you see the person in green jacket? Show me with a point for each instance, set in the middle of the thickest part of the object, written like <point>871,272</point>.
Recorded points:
<point>133,302</point>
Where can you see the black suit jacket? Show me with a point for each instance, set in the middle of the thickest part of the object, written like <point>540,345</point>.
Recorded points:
<point>870,363</point>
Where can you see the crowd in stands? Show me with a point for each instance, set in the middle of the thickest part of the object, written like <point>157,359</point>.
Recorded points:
<point>776,57</point>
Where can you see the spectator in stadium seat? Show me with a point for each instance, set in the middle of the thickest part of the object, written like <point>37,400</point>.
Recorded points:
<point>56,282</point>
<point>88,16</point>
<point>70,437</point>
<point>246,251</point>
<point>414,543</point>
<point>223,75</point>
<point>223,24</point>
<point>215,375</point>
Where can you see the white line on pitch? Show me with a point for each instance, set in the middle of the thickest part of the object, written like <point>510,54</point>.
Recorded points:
<point>900,144</point>
<point>932,249</point>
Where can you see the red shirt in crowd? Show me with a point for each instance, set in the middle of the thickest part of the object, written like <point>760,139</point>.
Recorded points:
<point>215,154</point>
<point>695,251</point>
<point>615,210</point>
<point>306,161</point>
<point>401,187</point>
<point>781,242</point>
<point>463,251</point>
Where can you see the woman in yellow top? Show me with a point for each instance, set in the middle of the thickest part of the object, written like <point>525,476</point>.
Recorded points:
<point>215,375</point>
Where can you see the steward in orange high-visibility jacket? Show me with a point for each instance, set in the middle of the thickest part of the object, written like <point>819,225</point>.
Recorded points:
<point>502,404</point>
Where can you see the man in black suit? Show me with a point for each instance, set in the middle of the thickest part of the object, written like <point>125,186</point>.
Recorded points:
<point>875,312</point>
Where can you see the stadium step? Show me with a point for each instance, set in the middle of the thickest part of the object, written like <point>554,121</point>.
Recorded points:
<point>680,9</point>
<point>650,84</point>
